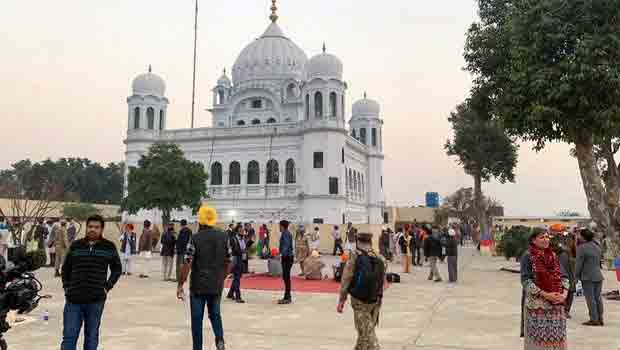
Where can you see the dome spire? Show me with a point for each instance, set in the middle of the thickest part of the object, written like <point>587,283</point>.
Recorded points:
<point>150,69</point>
<point>365,95</point>
<point>274,9</point>
<point>324,48</point>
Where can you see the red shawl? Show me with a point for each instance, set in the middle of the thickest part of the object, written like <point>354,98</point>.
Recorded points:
<point>546,268</point>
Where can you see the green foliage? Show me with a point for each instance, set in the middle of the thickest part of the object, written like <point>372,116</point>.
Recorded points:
<point>514,242</point>
<point>70,179</point>
<point>165,180</point>
<point>79,211</point>
<point>550,66</point>
<point>480,143</point>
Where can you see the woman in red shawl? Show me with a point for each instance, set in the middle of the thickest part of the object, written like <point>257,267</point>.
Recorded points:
<point>546,287</point>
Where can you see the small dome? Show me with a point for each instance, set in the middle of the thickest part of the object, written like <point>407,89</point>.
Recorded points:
<point>324,65</point>
<point>149,84</point>
<point>224,80</point>
<point>272,56</point>
<point>366,107</point>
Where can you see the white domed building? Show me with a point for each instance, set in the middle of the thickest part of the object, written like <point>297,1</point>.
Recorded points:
<point>280,146</point>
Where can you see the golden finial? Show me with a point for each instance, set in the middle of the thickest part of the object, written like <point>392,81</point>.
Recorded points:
<point>150,69</point>
<point>274,15</point>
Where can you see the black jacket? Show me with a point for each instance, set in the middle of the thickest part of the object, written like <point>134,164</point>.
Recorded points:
<point>184,236</point>
<point>168,243</point>
<point>209,263</point>
<point>452,246</point>
<point>432,247</point>
<point>85,271</point>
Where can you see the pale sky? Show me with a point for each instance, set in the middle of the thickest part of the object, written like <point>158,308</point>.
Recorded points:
<point>66,69</point>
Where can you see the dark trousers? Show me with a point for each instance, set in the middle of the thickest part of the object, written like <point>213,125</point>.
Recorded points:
<point>180,258</point>
<point>453,268</point>
<point>235,287</point>
<point>287,265</point>
<point>416,256</point>
<point>197,308</point>
<point>338,247</point>
<point>592,292</point>
<point>74,316</point>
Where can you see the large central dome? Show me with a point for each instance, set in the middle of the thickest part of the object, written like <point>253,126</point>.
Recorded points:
<point>272,56</point>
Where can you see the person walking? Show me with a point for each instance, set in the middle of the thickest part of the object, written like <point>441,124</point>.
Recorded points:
<point>207,258</point>
<point>546,288</point>
<point>168,244</point>
<point>384,244</point>
<point>351,240</point>
<point>432,245</point>
<point>146,248</point>
<point>337,241</point>
<point>71,230</point>
<point>237,251</point>
<point>185,234</point>
<point>129,245</point>
<point>452,251</point>
<point>51,247</point>
<point>403,244</point>
<point>302,247</point>
<point>363,279</point>
<point>588,271</point>
<point>91,269</point>
<point>288,258</point>
<point>61,244</point>
<point>418,245</point>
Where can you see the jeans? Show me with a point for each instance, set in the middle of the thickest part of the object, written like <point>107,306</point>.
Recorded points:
<point>73,317</point>
<point>287,264</point>
<point>235,288</point>
<point>592,292</point>
<point>417,256</point>
<point>453,268</point>
<point>197,307</point>
<point>434,273</point>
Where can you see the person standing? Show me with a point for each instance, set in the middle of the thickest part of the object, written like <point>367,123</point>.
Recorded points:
<point>302,247</point>
<point>351,238</point>
<point>288,258</point>
<point>432,245</point>
<point>403,244</point>
<point>452,251</point>
<point>315,240</point>
<point>168,243</point>
<point>384,244</point>
<point>588,271</point>
<point>146,248</point>
<point>207,258</point>
<point>546,288</point>
<point>49,243</point>
<point>185,234</point>
<point>87,282</point>
<point>61,244</point>
<point>237,251</point>
<point>337,241</point>
<point>71,231</point>
<point>363,279</point>
<point>129,245</point>
<point>566,263</point>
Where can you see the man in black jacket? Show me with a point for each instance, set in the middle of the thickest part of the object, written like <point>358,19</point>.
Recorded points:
<point>86,283</point>
<point>185,234</point>
<point>433,246</point>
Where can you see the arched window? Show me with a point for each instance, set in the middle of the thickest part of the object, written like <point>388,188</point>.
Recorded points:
<point>136,118</point>
<point>354,134</point>
<point>234,174</point>
<point>150,118</point>
<point>307,107</point>
<point>318,105</point>
<point>333,102</point>
<point>240,123</point>
<point>363,135</point>
<point>362,184</point>
<point>355,182</point>
<point>359,183</point>
<point>271,120</point>
<point>273,174</point>
<point>291,93</point>
<point>351,180</point>
<point>255,121</point>
<point>220,95</point>
<point>373,136</point>
<point>216,174</point>
<point>343,111</point>
<point>161,119</point>
<point>253,173</point>
<point>290,172</point>
<point>346,179</point>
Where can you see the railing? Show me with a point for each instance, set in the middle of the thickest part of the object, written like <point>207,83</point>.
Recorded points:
<point>253,191</point>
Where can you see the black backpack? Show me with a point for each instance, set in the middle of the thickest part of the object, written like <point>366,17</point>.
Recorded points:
<point>368,276</point>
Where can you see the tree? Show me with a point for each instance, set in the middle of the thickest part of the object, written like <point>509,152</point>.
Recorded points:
<point>80,212</point>
<point>483,150</point>
<point>461,205</point>
<point>551,69</point>
<point>165,180</point>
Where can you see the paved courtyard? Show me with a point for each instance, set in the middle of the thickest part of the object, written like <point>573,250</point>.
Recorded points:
<point>481,312</point>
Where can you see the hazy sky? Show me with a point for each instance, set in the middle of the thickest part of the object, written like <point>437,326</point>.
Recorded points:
<point>66,69</point>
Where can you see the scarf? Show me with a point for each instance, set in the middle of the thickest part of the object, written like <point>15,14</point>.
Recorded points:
<point>546,269</point>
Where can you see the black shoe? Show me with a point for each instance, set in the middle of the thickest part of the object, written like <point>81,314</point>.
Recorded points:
<point>591,323</point>
<point>219,345</point>
<point>239,301</point>
<point>285,301</point>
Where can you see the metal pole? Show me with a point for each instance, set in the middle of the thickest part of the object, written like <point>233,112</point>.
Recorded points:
<point>194,72</point>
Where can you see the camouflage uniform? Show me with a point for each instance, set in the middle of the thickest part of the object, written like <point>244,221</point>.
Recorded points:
<point>366,316</point>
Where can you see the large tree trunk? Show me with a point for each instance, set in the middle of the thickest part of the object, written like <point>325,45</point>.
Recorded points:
<point>481,215</point>
<point>165,218</point>
<point>602,213</point>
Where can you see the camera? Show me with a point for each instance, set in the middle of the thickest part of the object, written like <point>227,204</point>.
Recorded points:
<point>19,288</point>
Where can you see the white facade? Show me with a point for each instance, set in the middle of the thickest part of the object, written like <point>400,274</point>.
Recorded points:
<point>279,147</point>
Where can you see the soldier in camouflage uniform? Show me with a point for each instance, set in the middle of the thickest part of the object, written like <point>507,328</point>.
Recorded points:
<point>366,316</point>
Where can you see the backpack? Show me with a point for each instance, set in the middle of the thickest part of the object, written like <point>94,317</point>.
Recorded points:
<point>368,276</point>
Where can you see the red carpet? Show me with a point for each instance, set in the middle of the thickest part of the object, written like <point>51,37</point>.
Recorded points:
<point>261,281</point>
